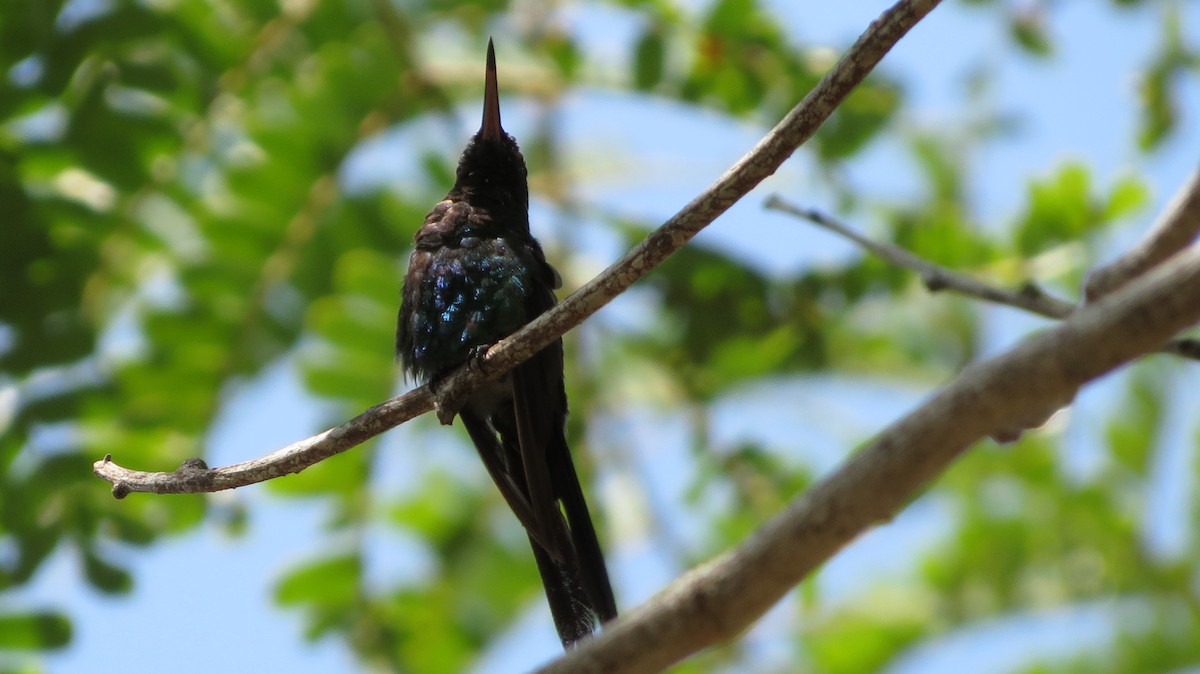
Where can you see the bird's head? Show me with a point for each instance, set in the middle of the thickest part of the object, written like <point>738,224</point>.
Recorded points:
<point>492,169</point>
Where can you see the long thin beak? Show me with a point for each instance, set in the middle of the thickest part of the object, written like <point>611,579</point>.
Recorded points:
<point>491,99</point>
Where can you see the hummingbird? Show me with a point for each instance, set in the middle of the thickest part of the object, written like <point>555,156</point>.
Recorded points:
<point>475,276</point>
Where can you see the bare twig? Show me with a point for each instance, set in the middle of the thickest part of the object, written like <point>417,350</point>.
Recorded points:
<point>1029,296</point>
<point>1175,229</point>
<point>936,277</point>
<point>751,169</point>
<point>719,600</point>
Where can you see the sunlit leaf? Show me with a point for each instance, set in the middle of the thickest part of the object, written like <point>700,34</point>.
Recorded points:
<point>34,631</point>
<point>332,580</point>
<point>1128,196</point>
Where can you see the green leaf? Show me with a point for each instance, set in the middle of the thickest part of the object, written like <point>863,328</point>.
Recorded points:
<point>878,637</point>
<point>1128,196</point>
<point>348,374</point>
<point>1160,98</point>
<point>332,580</point>
<point>942,166</point>
<point>34,631</point>
<point>649,54</point>
<point>1028,29</point>
<point>1059,210</point>
<point>105,576</point>
<point>342,474</point>
<point>439,509</point>
<point>563,52</point>
<point>1160,113</point>
<point>859,119</point>
<point>1133,434</point>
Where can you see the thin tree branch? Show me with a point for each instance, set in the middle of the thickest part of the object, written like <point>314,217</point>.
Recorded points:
<point>194,477</point>
<point>719,600</point>
<point>1029,296</point>
<point>751,169</point>
<point>1175,229</point>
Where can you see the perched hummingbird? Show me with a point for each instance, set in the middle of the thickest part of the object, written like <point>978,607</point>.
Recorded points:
<point>475,276</point>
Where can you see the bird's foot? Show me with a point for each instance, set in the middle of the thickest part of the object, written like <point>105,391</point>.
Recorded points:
<point>451,392</point>
<point>475,356</point>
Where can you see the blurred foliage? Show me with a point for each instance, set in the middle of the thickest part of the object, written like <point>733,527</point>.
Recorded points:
<point>175,219</point>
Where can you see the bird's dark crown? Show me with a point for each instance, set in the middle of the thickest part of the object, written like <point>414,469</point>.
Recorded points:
<point>491,172</point>
<point>492,169</point>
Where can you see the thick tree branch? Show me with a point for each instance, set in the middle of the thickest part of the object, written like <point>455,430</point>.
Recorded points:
<point>719,600</point>
<point>1175,229</point>
<point>763,160</point>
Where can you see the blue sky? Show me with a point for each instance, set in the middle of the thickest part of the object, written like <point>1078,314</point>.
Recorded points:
<point>202,602</point>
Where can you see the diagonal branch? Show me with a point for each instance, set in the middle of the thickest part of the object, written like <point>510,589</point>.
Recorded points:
<point>719,600</point>
<point>763,160</point>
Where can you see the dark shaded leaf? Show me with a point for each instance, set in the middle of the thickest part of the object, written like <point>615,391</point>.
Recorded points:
<point>34,631</point>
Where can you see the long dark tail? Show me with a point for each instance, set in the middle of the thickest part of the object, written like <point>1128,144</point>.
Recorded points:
<point>574,574</point>
<point>571,608</point>
<point>576,580</point>
<point>577,587</point>
<point>591,571</point>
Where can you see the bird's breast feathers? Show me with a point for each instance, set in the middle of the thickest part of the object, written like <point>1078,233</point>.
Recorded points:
<point>471,290</point>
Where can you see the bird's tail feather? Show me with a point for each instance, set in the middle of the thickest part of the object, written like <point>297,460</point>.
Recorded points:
<point>527,456</point>
<point>570,606</point>
<point>589,558</point>
<point>577,587</point>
